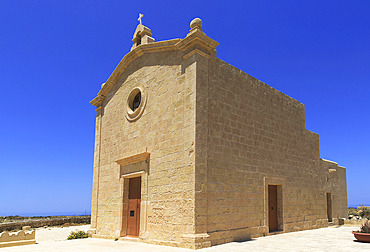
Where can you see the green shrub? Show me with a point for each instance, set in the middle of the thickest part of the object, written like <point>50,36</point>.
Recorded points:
<point>352,211</point>
<point>366,212</point>
<point>362,211</point>
<point>77,235</point>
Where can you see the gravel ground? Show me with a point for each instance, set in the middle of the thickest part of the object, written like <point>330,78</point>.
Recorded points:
<point>53,234</point>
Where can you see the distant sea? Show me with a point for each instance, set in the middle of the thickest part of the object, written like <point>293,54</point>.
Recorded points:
<point>48,214</point>
<point>359,205</point>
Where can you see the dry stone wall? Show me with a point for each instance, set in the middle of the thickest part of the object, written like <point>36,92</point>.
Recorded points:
<point>44,222</point>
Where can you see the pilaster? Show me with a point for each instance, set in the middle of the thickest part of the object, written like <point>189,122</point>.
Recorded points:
<point>98,101</point>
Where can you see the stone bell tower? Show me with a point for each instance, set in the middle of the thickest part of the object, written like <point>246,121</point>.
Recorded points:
<point>142,35</point>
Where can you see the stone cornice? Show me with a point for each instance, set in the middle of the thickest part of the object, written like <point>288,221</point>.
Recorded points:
<point>127,59</point>
<point>195,42</point>
<point>97,101</point>
<point>133,159</point>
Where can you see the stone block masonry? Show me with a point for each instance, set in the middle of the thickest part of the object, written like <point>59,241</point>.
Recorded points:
<point>218,155</point>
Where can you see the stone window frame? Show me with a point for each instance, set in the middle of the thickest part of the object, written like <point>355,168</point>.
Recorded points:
<point>131,113</point>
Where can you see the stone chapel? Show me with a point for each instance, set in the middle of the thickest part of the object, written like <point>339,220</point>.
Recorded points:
<point>192,152</point>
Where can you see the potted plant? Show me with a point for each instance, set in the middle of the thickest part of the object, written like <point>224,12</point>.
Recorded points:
<point>364,233</point>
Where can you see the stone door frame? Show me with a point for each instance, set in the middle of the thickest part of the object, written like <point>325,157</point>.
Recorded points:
<point>280,183</point>
<point>122,211</point>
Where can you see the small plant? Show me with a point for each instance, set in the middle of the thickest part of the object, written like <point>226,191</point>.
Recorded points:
<point>352,211</point>
<point>77,235</point>
<point>359,212</point>
<point>365,228</point>
<point>366,212</point>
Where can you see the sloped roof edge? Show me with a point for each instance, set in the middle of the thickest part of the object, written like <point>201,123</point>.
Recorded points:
<point>166,45</point>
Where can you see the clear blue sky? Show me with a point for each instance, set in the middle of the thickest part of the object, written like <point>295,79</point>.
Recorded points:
<point>54,55</point>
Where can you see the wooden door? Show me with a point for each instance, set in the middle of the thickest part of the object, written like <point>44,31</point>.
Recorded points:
<point>328,207</point>
<point>273,214</point>
<point>134,201</point>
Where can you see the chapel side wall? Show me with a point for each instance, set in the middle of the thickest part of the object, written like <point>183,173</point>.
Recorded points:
<point>342,186</point>
<point>165,130</point>
<point>257,134</point>
<point>337,186</point>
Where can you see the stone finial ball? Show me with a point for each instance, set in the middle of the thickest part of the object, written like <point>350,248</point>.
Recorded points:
<point>196,22</point>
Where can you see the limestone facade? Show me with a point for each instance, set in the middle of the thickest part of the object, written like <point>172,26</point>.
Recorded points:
<point>208,142</point>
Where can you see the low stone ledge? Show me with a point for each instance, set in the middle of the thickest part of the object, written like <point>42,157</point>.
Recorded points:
<point>338,221</point>
<point>98,236</point>
<point>44,222</point>
<point>17,238</point>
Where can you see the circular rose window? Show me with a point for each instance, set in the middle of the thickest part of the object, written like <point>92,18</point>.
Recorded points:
<point>135,104</point>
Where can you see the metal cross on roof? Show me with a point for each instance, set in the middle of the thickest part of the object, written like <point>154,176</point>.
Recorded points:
<point>140,17</point>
